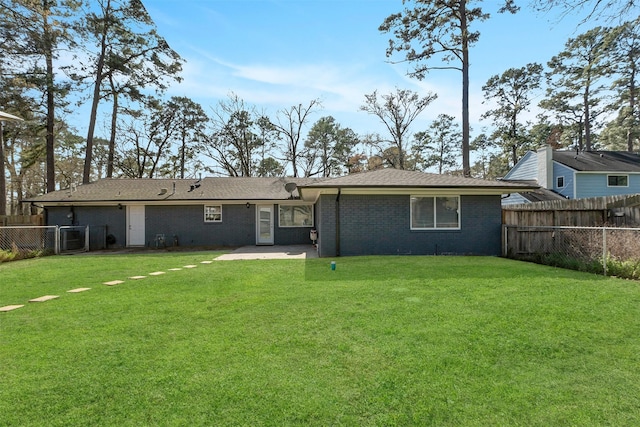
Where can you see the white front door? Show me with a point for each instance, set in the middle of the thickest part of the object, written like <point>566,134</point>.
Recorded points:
<point>264,225</point>
<point>135,225</point>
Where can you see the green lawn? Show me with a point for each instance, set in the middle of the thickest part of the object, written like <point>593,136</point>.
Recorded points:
<point>447,341</point>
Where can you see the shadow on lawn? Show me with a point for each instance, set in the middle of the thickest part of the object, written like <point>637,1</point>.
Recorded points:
<point>432,268</point>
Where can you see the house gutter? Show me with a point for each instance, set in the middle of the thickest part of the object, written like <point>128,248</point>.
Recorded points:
<point>338,222</point>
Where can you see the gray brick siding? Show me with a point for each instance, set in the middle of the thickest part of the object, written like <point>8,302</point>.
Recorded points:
<point>380,225</point>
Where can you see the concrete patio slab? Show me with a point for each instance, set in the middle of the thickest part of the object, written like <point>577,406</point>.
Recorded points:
<point>11,307</point>
<point>77,290</point>
<point>271,252</point>
<point>113,282</point>
<point>44,298</point>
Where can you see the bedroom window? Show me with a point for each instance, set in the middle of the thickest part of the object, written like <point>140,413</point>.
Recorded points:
<point>296,216</point>
<point>560,182</point>
<point>431,213</point>
<point>213,213</point>
<point>617,180</point>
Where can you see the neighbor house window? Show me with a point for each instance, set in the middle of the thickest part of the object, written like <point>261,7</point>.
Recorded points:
<point>213,213</point>
<point>560,182</point>
<point>618,180</point>
<point>296,216</point>
<point>428,213</point>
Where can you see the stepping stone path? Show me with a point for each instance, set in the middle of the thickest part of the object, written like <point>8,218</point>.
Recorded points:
<point>10,307</point>
<point>111,283</point>
<point>44,298</point>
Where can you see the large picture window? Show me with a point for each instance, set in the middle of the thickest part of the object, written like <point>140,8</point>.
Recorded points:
<point>213,213</point>
<point>296,216</point>
<point>430,213</point>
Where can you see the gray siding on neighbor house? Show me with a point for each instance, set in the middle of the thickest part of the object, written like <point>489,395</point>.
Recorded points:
<point>380,225</point>
<point>569,175</point>
<point>525,169</point>
<point>597,184</point>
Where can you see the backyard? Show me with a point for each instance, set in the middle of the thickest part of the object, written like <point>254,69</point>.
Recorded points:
<point>379,341</point>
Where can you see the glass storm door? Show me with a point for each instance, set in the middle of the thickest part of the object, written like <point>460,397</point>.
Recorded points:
<point>264,223</point>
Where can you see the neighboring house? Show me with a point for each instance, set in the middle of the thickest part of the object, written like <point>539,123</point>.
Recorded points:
<point>380,212</point>
<point>575,175</point>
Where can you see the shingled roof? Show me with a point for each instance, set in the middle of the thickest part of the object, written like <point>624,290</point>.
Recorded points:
<point>599,161</point>
<point>396,178</point>
<point>227,188</point>
<point>163,190</point>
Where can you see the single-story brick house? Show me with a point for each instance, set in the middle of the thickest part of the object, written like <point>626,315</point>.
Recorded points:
<point>386,211</point>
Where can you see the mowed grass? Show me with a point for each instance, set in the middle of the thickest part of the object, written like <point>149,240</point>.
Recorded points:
<point>448,341</point>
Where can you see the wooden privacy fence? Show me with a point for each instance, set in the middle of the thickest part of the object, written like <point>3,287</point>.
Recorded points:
<point>596,234</point>
<point>614,211</point>
<point>8,220</point>
<point>580,248</point>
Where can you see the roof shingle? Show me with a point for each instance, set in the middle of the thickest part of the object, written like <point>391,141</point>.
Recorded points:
<point>599,161</point>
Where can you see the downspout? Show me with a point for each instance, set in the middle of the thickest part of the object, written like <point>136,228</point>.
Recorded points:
<point>338,223</point>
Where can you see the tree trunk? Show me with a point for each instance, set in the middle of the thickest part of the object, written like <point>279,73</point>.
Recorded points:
<point>632,131</point>
<point>112,137</point>
<point>466,166</point>
<point>3,182</point>
<point>51,116</point>
<point>86,175</point>
<point>183,154</point>
<point>587,120</point>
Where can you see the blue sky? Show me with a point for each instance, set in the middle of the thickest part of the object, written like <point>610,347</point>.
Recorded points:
<point>279,53</point>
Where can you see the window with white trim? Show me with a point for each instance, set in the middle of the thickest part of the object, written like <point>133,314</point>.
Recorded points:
<point>295,216</point>
<point>432,213</point>
<point>213,213</point>
<point>617,180</point>
<point>560,182</point>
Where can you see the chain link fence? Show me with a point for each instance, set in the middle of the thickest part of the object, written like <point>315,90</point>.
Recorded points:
<point>26,241</point>
<point>30,241</point>
<point>602,250</point>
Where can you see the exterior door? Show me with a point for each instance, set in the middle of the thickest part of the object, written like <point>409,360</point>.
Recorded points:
<point>264,225</point>
<point>135,225</point>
